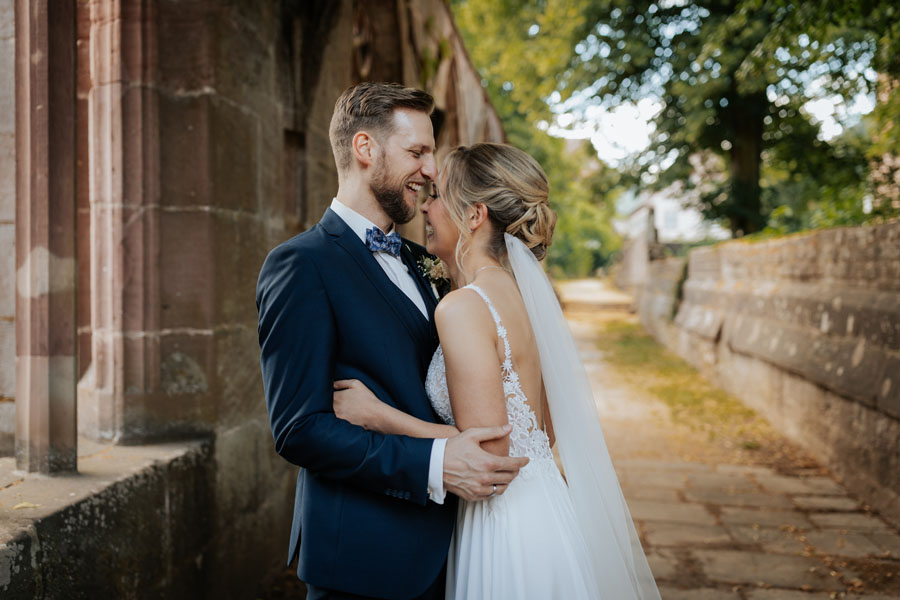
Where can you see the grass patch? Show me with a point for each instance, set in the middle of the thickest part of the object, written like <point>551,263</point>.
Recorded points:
<point>692,399</point>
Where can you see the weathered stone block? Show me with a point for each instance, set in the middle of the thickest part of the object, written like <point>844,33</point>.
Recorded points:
<point>238,257</point>
<point>887,542</point>
<point>659,479</point>
<point>684,534</point>
<point>187,364</point>
<point>234,157</point>
<point>663,564</point>
<point>238,376</point>
<point>849,521</point>
<point>248,468</point>
<point>744,469</point>
<point>842,544</point>
<point>7,358</point>
<point>187,289</point>
<point>8,77</point>
<point>846,365</point>
<point>643,510</point>
<point>186,45</point>
<point>772,569</point>
<point>7,271</point>
<point>721,482</point>
<point>7,19</point>
<point>772,594</point>
<point>769,518</point>
<point>185,165</point>
<point>769,539</point>
<point>7,177</point>
<point>671,593</point>
<point>826,502</point>
<point>655,494</point>
<point>725,498</point>
<point>889,386</point>
<point>241,51</point>
<point>182,401</point>
<point>799,485</point>
<point>130,532</point>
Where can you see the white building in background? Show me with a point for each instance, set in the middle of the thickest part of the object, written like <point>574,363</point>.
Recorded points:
<point>661,217</point>
<point>654,221</point>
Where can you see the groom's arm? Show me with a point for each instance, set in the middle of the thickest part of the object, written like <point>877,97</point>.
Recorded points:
<point>298,338</point>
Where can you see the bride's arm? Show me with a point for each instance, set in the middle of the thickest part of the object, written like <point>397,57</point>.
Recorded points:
<point>356,403</point>
<point>469,340</point>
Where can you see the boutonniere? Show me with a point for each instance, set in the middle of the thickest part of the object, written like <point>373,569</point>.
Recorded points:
<point>435,272</point>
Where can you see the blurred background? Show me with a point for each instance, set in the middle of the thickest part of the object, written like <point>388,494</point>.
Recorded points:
<point>725,119</point>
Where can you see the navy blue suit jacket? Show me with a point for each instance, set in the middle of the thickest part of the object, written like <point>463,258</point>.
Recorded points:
<point>328,311</point>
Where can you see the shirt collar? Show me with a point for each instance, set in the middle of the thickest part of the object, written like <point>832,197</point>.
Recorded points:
<point>355,221</point>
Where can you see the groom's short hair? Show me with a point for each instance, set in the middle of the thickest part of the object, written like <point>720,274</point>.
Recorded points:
<point>370,106</point>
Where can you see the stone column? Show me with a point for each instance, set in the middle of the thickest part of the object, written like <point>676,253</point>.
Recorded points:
<point>149,151</point>
<point>124,220</point>
<point>45,236</point>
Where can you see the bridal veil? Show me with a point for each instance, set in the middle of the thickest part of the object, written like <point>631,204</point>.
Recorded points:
<point>620,565</point>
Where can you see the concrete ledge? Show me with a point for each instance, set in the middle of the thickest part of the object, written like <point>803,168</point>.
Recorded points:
<point>134,522</point>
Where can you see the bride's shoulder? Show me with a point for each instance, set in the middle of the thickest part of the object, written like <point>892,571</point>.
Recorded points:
<point>461,307</point>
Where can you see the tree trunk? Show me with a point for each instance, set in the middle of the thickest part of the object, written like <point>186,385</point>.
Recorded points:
<point>745,158</point>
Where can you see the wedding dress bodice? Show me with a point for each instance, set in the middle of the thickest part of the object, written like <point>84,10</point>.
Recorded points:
<point>525,439</point>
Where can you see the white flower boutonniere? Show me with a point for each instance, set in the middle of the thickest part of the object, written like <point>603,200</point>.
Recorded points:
<point>435,272</point>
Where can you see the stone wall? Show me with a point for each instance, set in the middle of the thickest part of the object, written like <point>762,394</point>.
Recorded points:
<point>7,228</point>
<point>204,143</point>
<point>806,329</point>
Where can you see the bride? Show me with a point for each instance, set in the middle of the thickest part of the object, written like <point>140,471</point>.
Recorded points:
<point>506,356</point>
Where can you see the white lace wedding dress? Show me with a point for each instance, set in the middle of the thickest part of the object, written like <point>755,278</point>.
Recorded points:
<point>525,543</point>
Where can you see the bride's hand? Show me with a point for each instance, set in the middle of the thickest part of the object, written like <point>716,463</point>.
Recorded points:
<point>356,403</point>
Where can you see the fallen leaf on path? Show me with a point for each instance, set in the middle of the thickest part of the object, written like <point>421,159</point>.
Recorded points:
<point>25,505</point>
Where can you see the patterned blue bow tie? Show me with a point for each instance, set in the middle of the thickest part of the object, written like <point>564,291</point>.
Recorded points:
<point>377,241</point>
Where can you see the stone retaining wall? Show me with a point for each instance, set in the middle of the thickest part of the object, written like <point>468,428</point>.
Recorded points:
<point>806,329</point>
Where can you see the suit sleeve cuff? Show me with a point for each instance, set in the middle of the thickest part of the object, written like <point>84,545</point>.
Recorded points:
<point>436,491</point>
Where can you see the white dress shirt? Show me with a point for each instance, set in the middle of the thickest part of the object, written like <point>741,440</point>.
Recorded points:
<point>399,274</point>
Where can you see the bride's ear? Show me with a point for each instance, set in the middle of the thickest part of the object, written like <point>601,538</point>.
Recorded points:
<point>478,214</point>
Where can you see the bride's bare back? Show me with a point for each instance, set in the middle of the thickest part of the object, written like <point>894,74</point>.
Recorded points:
<point>474,352</point>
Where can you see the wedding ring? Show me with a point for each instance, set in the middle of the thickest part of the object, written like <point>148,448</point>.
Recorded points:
<point>493,492</point>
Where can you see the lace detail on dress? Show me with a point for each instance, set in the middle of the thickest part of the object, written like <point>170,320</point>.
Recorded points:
<point>525,439</point>
<point>436,387</point>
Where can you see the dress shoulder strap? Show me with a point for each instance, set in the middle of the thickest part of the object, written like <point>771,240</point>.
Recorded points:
<point>501,330</point>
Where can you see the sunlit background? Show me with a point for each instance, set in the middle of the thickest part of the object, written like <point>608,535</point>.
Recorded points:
<point>727,118</point>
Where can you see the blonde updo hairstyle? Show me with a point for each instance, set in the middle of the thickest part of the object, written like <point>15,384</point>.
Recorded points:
<point>513,187</point>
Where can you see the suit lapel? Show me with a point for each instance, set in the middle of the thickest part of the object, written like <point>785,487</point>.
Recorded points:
<point>403,307</point>
<point>424,287</point>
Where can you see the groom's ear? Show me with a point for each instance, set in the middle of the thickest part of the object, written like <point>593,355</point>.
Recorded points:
<point>364,147</point>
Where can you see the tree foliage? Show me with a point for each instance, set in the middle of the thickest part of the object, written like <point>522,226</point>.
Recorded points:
<point>512,68</point>
<point>732,77</point>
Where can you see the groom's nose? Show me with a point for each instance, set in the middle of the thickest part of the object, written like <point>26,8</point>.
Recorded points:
<point>429,167</point>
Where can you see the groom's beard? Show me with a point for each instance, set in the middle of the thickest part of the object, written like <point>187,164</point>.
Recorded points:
<point>390,196</point>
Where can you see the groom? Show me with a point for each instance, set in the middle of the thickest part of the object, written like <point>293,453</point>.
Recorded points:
<point>346,300</point>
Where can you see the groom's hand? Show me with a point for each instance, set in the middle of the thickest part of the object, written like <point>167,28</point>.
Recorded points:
<point>470,472</point>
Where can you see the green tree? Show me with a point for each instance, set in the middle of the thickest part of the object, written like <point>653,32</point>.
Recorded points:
<point>512,69</point>
<point>732,75</point>
<point>730,82</point>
